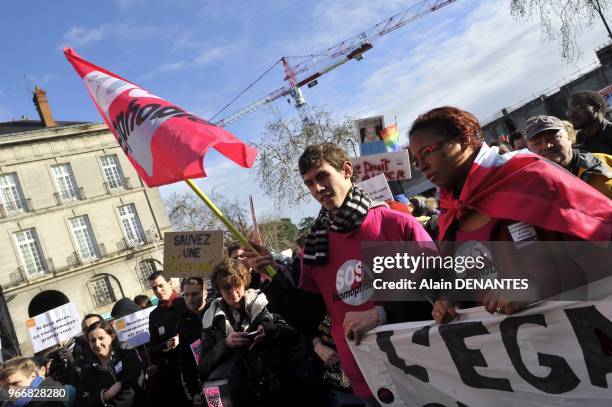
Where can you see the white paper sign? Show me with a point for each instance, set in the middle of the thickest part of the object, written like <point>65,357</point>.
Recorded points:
<point>377,188</point>
<point>134,328</point>
<point>395,166</point>
<point>54,326</point>
<point>550,355</point>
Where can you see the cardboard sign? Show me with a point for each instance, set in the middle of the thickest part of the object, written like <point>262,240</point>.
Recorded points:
<point>395,166</point>
<point>54,326</point>
<point>192,254</point>
<point>370,140</point>
<point>377,188</point>
<point>134,328</point>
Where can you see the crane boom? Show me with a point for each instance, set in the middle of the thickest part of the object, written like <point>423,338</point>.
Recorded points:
<point>299,74</point>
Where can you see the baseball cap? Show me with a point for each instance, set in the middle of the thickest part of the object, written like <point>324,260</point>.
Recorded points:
<point>537,124</point>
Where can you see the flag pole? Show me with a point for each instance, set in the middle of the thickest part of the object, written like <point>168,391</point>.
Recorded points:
<point>233,229</point>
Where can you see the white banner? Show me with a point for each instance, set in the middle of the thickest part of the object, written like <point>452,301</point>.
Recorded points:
<point>377,188</point>
<point>395,166</point>
<point>556,353</point>
<point>134,328</point>
<point>54,326</point>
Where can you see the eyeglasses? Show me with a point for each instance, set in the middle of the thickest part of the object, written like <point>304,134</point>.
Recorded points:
<point>426,152</point>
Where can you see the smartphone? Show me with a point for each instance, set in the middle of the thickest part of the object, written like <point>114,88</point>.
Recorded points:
<point>251,335</point>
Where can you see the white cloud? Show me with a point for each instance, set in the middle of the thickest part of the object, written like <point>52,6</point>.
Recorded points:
<point>212,54</point>
<point>82,36</point>
<point>173,66</point>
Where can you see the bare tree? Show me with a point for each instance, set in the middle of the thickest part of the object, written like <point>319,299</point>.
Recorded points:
<point>284,141</point>
<point>187,212</point>
<point>278,234</point>
<point>562,19</point>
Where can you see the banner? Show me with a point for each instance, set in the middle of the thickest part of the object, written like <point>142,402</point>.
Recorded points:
<point>556,353</point>
<point>134,328</point>
<point>377,188</point>
<point>54,326</point>
<point>395,166</point>
<point>192,254</point>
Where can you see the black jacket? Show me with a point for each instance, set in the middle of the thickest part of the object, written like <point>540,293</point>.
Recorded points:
<point>163,325</point>
<point>190,330</point>
<point>599,143</point>
<point>269,370</point>
<point>124,366</point>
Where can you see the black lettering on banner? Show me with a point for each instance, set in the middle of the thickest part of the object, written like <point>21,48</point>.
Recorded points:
<point>383,340</point>
<point>561,378</point>
<point>459,404</point>
<point>465,359</point>
<point>143,114</point>
<point>594,332</point>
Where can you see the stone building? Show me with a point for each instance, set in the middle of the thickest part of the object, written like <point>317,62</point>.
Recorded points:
<point>76,221</point>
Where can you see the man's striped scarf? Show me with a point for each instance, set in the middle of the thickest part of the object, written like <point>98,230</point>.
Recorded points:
<point>347,218</point>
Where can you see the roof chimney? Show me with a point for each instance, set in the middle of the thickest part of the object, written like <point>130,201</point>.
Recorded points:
<point>42,105</point>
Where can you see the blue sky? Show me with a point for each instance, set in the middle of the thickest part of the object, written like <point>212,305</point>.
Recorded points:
<point>199,54</point>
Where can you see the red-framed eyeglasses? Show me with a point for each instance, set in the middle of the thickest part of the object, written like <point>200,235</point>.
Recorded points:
<point>426,152</point>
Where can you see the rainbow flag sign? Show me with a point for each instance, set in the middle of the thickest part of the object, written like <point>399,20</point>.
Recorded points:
<point>390,136</point>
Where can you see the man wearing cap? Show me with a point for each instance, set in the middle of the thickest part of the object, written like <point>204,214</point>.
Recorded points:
<point>546,136</point>
<point>587,110</point>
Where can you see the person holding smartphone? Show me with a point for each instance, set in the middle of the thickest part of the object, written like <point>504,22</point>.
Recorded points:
<point>240,325</point>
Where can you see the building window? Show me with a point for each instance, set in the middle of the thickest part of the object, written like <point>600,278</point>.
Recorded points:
<point>11,195</point>
<point>102,291</point>
<point>112,172</point>
<point>32,260</point>
<point>65,183</point>
<point>144,270</point>
<point>131,225</point>
<point>84,239</point>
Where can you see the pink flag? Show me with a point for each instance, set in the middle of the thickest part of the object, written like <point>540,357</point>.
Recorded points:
<point>162,141</point>
<point>528,188</point>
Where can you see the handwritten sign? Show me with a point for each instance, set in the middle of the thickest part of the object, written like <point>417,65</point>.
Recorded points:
<point>134,328</point>
<point>54,326</point>
<point>192,254</point>
<point>377,188</point>
<point>395,166</point>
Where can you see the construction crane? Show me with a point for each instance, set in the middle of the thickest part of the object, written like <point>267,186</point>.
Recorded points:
<point>306,72</point>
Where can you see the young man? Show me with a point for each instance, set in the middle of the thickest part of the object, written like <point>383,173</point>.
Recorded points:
<point>190,332</point>
<point>333,253</point>
<point>164,342</point>
<point>546,136</point>
<point>587,111</point>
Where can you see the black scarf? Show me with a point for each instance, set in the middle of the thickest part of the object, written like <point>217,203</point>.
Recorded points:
<point>347,218</point>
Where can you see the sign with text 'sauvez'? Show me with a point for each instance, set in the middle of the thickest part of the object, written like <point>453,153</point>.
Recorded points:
<point>192,254</point>
<point>395,166</point>
<point>54,326</point>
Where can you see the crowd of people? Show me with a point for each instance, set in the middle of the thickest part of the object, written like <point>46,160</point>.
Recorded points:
<point>265,340</point>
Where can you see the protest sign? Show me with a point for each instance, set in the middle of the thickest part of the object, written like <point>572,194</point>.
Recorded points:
<point>377,188</point>
<point>134,328</point>
<point>369,133</point>
<point>192,254</point>
<point>54,326</point>
<point>395,166</point>
<point>552,354</point>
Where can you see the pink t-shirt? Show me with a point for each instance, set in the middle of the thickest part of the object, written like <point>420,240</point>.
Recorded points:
<point>339,280</point>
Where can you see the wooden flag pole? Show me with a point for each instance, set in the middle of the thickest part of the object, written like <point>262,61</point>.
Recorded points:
<point>233,229</point>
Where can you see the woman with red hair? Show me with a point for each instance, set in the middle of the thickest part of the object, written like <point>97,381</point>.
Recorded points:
<point>485,196</point>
